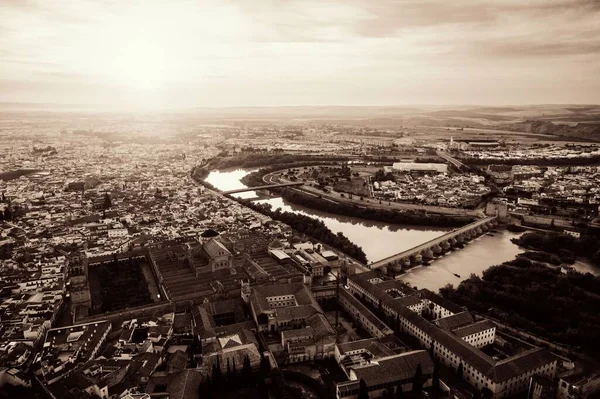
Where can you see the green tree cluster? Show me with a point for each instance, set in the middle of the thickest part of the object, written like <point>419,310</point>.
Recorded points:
<point>537,298</point>
<point>380,215</point>
<point>313,228</point>
<point>565,245</point>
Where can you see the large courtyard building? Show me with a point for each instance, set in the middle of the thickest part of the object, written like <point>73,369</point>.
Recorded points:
<point>383,365</point>
<point>453,336</point>
<point>291,311</point>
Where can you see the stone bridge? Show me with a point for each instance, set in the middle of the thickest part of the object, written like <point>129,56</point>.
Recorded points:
<point>435,247</point>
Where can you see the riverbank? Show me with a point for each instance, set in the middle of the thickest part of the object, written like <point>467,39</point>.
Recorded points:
<point>308,226</point>
<point>365,208</point>
<point>564,246</point>
<point>365,211</point>
<point>311,227</point>
<point>534,297</point>
<point>377,239</point>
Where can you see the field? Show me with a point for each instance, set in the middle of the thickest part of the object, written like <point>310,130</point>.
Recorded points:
<point>355,186</point>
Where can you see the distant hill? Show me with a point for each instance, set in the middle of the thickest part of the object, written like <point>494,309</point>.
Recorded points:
<point>495,110</point>
<point>586,131</point>
<point>470,115</point>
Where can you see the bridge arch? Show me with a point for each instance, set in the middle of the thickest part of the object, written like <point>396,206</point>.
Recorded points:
<point>416,259</point>
<point>429,250</point>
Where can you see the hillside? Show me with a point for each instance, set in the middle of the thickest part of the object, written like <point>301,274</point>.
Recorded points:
<point>586,131</point>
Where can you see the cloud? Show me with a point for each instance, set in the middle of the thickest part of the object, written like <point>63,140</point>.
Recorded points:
<point>382,47</point>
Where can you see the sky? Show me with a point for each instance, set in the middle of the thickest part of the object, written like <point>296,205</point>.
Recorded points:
<point>228,53</point>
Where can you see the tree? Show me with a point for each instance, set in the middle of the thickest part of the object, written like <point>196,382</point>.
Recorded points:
<point>399,393</point>
<point>363,391</point>
<point>460,372</point>
<point>233,370</point>
<point>205,389</point>
<point>214,370</point>
<point>263,390</point>
<point>418,379</point>
<point>7,214</point>
<point>228,370</point>
<point>217,374</point>
<point>246,370</point>
<point>107,203</point>
<point>435,379</point>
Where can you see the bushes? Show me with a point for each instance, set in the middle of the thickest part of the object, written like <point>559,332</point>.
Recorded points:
<point>565,245</point>
<point>542,257</point>
<point>260,159</point>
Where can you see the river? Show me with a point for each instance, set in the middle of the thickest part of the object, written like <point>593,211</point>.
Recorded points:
<point>475,257</point>
<point>380,240</point>
<point>377,239</point>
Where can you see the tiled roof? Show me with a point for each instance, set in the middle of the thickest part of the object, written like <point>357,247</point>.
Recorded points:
<point>391,369</point>
<point>443,302</point>
<point>297,333</point>
<point>474,328</point>
<point>260,293</point>
<point>184,385</point>
<point>496,371</point>
<point>295,313</point>
<point>320,325</point>
<point>373,345</point>
<point>214,247</point>
<point>408,300</point>
<point>455,321</point>
<point>364,311</point>
<point>522,363</point>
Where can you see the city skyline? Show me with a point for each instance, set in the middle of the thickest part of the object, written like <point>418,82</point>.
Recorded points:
<point>170,55</point>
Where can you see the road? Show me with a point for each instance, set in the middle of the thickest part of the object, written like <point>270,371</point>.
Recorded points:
<point>453,161</point>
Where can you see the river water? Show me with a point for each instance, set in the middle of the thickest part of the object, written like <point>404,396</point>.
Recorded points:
<point>475,257</point>
<point>380,240</point>
<point>377,239</point>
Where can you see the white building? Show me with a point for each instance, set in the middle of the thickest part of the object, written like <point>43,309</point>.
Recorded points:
<point>420,167</point>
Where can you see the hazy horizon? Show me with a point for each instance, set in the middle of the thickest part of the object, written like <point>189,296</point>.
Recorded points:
<point>175,55</point>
